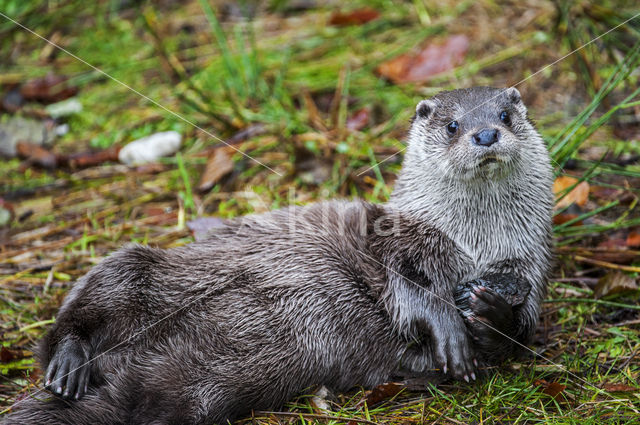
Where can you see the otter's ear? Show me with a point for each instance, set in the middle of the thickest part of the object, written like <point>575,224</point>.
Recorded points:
<point>513,95</point>
<point>425,108</point>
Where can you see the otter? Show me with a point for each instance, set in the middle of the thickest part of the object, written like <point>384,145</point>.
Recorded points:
<point>338,293</point>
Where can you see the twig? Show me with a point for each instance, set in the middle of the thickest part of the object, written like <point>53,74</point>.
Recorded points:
<point>607,264</point>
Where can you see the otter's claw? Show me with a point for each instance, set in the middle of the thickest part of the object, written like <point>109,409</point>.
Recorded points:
<point>453,351</point>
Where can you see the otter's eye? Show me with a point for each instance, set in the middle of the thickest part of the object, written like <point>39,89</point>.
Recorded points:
<point>505,117</point>
<point>452,127</point>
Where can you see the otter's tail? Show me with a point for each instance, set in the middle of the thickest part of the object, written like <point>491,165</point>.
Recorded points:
<point>42,409</point>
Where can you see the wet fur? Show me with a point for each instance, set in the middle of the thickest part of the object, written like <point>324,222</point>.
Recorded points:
<point>337,293</point>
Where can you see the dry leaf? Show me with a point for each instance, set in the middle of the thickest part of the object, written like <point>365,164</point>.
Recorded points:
<point>356,17</point>
<point>383,392</point>
<point>319,399</point>
<point>613,283</point>
<point>433,59</point>
<point>618,387</point>
<point>219,165</point>
<point>554,389</point>
<point>562,218</point>
<point>633,239</point>
<point>578,195</point>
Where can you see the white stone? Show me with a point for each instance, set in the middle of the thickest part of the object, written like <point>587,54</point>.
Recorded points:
<point>66,107</point>
<point>150,148</point>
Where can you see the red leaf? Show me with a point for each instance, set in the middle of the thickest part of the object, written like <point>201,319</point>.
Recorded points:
<point>633,239</point>
<point>433,59</point>
<point>356,17</point>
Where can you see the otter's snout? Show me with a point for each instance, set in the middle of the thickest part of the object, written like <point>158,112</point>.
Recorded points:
<point>486,137</point>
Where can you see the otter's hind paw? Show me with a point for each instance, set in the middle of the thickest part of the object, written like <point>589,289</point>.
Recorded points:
<point>68,371</point>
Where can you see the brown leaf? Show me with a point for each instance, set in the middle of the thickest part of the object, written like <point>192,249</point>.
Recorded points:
<point>613,283</point>
<point>562,218</point>
<point>359,120</point>
<point>383,392</point>
<point>633,239</point>
<point>7,355</point>
<point>219,165</point>
<point>48,89</point>
<point>608,386</point>
<point>36,154</point>
<point>433,59</point>
<point>578,195</point>
<point>554,389</point>
<point>355,17</point>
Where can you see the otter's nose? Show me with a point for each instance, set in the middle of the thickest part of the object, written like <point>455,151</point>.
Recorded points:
<point>486,137</point>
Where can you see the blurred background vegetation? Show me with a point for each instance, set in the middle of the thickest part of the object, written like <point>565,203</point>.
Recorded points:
<point>319,92</point>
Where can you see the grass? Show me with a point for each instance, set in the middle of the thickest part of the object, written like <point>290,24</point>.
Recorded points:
<point>302,80</point>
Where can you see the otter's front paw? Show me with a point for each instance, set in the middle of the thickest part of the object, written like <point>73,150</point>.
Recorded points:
<point>491,317</point>
<point>68,371</point>
<point>453,352</point>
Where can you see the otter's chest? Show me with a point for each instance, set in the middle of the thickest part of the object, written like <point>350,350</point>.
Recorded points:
<point>500,235</point>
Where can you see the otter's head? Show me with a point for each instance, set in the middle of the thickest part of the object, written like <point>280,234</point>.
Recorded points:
<point>473,134</point>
